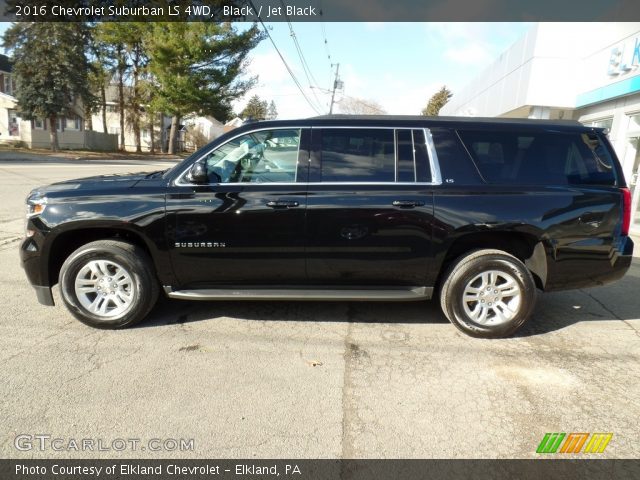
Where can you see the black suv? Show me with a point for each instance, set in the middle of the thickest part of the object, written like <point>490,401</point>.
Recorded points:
<point>482,212</point>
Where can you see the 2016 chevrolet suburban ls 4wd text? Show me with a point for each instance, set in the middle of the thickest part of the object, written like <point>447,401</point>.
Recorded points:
<point>479,212</point>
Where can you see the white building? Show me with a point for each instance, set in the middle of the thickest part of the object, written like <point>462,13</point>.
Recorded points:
<point>584,71</point>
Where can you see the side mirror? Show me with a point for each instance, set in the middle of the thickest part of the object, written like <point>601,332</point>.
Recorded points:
<point>198,173</point>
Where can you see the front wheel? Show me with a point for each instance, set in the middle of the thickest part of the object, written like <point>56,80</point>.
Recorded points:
<point>488,293</point>
<point>108,284</point>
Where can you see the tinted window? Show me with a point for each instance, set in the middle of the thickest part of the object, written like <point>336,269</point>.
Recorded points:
<point>358,155</point>
<point>540,158</point>
<point>406,168</point>
<point>257,157</point>
<point>456,166</point>
<point>423,167</point>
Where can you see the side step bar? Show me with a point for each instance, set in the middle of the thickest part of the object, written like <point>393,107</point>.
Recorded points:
<point>310,293</point>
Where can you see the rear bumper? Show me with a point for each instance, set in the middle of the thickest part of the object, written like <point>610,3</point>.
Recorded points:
<point>592,270</point>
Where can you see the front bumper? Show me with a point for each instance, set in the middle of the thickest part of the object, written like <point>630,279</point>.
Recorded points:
<point>32,262</point>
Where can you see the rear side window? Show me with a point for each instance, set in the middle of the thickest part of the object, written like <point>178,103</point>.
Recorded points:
<point>374,155</point>
<point>423,169</point>
<point>358,155</point>
<point>406,156</point>
<point>540,158</point>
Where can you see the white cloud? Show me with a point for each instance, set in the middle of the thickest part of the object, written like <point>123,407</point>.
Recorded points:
<point>268,67</point>
<point>275,83</point>
<point>471,43</point>
<point>446,53</point>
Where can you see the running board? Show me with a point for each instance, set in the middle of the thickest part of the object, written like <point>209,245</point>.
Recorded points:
<point>311,293</point>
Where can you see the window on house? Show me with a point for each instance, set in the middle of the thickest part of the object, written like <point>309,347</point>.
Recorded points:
<point>8,84</point>
<point>602,123</point>
<point>73,123</point>
<point>14,123</point>
<point>38,124</point>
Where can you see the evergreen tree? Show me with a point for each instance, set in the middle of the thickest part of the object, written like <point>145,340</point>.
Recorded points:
<point>272,111</point>
<point>198,68</point>
<point>124,42</point>
<point>51,69</point>
<point>437,101</point>
<point>98,77</point>
<point>256,109</point>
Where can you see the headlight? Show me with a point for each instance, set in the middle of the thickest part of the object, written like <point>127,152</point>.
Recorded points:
<point>35,206</point>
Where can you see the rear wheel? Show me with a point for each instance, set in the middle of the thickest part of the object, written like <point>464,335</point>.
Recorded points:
<point>488,293</point>
<point>108,284</point>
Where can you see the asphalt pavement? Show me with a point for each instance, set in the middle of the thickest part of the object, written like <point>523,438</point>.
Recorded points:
<point>307,380</point>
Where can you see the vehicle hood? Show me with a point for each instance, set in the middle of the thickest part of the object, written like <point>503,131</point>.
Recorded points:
<point>97,182</point>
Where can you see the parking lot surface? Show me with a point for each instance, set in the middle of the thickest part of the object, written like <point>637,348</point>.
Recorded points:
<point>308,380</point>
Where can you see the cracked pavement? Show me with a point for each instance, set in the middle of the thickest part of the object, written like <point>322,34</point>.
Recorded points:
<point>309,380</point>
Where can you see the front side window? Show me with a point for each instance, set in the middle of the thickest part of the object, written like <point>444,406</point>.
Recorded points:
<point>358,155</point>
<point>258,157</point>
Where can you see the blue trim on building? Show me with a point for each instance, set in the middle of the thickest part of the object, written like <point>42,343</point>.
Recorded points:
<point>618,89</point>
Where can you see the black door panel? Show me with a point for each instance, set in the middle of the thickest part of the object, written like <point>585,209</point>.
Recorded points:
<point>357,236</point>
<point>251,229</point>
<point>229,235</point>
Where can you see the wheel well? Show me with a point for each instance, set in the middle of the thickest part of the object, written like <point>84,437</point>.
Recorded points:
<point>67,242</point>
<point>520,245</point>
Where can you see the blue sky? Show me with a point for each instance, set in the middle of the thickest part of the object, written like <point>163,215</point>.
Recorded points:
<point>398,65</point>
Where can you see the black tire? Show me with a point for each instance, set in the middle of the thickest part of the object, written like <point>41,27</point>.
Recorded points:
<point>142,286</point>
<point>461,274</point>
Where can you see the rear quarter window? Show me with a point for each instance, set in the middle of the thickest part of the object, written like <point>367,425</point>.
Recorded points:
<point>540,158</point>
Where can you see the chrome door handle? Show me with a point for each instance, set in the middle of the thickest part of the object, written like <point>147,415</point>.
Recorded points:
<point>282,204</point>
<point>407,203</point>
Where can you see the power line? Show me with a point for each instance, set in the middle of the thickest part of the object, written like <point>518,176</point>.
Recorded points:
<point>305,66</point>
<point>293,77</point>
<point>303,60</point>
<point>324,35</point>
<point>325,41</point>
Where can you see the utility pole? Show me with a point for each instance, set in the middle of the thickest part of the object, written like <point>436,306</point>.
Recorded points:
<point>335,85</point>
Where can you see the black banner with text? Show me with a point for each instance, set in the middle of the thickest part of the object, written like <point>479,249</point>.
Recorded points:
<point>132,469</point>
<point>320,10</point>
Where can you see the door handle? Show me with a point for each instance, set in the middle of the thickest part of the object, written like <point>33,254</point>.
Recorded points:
<point>282,204</point>
<point>407,203</point>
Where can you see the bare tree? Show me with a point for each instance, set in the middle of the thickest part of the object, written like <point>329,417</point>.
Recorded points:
<point>360,106</point>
